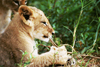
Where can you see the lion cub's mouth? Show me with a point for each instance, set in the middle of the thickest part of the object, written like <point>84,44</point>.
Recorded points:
<point>45,36</point>
<point>48,37</point>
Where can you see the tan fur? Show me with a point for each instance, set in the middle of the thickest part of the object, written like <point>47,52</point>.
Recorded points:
<point>29,23</point>
<point>6,8</point>
<point>55,55</point>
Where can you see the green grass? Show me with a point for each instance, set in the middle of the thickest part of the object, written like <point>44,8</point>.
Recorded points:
<point>76,22</point>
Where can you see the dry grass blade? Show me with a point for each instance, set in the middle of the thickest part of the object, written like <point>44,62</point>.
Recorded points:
<point>53,43</point>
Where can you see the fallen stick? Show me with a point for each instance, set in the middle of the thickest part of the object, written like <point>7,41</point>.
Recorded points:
<point>90,56</point>
<point>53,43</point>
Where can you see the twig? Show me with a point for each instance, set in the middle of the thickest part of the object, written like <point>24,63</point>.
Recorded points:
<point>69,52</point>
<point>53,43</point>
<point>91,56</point>
<point>68,45</point>
<point>54,3</point>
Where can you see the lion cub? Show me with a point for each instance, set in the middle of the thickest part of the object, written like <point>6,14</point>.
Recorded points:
<point>6,7</point>
<point>29,23</point>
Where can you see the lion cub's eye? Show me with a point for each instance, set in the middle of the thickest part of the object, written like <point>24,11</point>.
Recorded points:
<point>44,23</point>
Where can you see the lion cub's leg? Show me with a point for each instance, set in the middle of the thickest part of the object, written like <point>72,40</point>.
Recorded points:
<point>54,56</point>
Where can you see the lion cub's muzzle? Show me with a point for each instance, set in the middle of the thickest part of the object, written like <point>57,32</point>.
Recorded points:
<point>49,36</point>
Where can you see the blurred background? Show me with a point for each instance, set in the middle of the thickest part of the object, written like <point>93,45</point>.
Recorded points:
<point>68,16</point>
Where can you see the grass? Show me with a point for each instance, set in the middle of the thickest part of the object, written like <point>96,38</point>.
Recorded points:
<point>89,51</point>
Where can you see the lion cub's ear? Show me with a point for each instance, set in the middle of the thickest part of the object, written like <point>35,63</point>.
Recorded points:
<point>25,13</point>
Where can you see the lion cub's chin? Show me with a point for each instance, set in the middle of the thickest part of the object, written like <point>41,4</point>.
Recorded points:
<point>46,39</point>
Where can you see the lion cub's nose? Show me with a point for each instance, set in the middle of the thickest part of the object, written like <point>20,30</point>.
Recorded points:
<point>53,33</point>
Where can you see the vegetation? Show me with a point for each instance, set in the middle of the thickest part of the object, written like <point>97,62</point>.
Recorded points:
<point>76,22</point>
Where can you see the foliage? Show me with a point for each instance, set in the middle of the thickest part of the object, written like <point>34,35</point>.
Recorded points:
<point>67,15</point>
<point>21,64</point>
<point>64,16</point>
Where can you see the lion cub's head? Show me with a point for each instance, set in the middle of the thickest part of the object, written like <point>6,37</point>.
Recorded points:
<point>37,22</point>
<point>13,4</point>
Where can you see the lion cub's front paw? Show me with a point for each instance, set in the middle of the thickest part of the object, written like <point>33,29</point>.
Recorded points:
<point>60,55</point>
